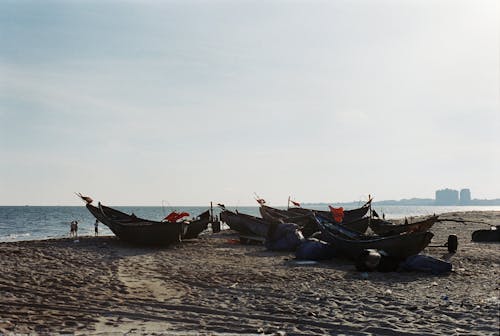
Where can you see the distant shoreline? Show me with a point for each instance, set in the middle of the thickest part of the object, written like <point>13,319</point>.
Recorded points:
<point>418,202</point>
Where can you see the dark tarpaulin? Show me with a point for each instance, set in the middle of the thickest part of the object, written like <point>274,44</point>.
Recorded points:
<point>314,249</point>
<point>283,237</point>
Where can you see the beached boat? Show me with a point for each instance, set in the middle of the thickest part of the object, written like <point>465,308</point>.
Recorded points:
<point>349,215</point>
<point>274,214</point>
<point>197,226</point>
<point>133,229</point>
<point>386,228</point>
<point>352,244</point>
<point>307,222</point>
<point>245,224</point>
<point>491,235</point>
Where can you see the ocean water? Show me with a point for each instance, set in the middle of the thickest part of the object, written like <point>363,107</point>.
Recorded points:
<point>43,222</point>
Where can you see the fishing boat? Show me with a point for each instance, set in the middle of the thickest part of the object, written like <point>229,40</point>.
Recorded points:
<point>349,215</point>
<point>198,225</point>
<point>307,222</point>
<point>274,214</point>
<point>245,224</point>
<point>352,244</point>
<point>385,228</point>
<point>136,230</point>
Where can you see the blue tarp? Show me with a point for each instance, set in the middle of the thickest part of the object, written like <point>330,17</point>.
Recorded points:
<point>314,249</point>
<point>285,237</point>
<point>424,263</point>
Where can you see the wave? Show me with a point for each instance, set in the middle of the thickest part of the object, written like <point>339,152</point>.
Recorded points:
<point>15,236</point>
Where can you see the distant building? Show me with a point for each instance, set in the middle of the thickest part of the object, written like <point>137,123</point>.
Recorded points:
<point>465,196</point>
<point>446,197</point>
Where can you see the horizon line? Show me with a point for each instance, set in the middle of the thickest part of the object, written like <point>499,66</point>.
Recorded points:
<point>256,205</point>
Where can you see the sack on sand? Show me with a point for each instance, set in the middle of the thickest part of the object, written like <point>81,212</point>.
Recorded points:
<point>314,249</point>
<point>284,237</point>
<point>424,263</point>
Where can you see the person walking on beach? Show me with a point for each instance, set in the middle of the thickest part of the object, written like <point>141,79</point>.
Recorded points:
<point>96,227</point>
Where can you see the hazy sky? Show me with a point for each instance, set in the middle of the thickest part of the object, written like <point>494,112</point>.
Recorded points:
<point>193,101</point>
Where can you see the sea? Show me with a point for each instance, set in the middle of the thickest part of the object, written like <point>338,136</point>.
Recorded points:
<point>45,222</point>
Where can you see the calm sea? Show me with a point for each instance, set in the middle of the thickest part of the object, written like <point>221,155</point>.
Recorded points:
<point>42,222</point>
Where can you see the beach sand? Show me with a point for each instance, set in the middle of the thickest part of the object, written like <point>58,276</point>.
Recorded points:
<point>214,285</point>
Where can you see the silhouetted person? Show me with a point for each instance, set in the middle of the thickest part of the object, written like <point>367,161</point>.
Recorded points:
<point>73,229</point>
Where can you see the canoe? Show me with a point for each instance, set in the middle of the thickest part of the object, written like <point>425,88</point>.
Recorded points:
<point>351,244</point>
<point>386,228</point>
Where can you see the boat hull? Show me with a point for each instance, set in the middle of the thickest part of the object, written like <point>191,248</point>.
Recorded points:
<point>245,224</point>
<point>397,246</point>
<point>196,227</point>
<point>385,228</point>
<point>307,222</point>
<point>132,229</point>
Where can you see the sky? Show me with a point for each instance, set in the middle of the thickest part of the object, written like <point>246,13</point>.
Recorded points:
<point>187,102</point>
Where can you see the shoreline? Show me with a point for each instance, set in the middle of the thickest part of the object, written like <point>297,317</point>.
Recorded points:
<point>213,285</point>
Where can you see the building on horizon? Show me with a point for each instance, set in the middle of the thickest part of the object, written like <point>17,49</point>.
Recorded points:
<point>447,197</point>
<point>465,197</point>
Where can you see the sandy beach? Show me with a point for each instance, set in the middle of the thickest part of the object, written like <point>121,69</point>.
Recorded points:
<point>214,285</point>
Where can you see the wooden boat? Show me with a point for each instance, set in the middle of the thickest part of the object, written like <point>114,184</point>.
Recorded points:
<point>359,225</point>
<point>307,222</point>
<point>491,235</point>
<point>245,224</point>
<point>349,215</point>
<point>385,228</point>
<point>197,226</point>
<point>352,244</point>
<point>135,230</point>
<point>273,214</point>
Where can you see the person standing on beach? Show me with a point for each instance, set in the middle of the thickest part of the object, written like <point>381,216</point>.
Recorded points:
<point>73,229</point>
<point>96,227</point>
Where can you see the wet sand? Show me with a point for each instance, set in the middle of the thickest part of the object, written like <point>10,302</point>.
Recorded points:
<point>213,285</point>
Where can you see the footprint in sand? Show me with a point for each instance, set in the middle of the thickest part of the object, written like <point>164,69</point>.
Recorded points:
<point>142,275</point>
